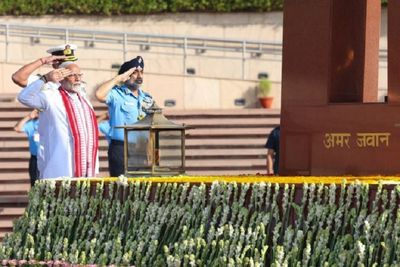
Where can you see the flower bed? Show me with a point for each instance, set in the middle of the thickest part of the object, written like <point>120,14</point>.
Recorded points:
<point>146,222</point>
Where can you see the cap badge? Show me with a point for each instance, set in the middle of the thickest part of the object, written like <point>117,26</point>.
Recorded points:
<point>67,51</point>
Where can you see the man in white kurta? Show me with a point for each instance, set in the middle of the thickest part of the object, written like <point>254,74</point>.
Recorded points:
<point>56,155</point>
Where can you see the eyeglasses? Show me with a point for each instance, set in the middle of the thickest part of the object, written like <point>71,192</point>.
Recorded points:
<point>75,75</point>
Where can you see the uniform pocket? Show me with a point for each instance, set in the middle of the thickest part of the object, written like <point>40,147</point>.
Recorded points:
<point>129,111</point>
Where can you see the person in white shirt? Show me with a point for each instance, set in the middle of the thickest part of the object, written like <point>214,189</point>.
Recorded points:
<point>67,126</point>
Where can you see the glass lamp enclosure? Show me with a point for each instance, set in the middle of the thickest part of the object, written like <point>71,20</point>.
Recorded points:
<point>153,152</point>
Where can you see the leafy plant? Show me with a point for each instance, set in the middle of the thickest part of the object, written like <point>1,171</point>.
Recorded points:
<point>264,87</point>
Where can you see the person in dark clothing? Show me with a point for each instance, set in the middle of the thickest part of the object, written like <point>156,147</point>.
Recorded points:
<point>273,151</point>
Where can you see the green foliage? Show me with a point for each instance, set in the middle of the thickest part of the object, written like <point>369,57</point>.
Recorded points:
<point>264,87</point>
<point>117,7</point>
<point>223,224</point>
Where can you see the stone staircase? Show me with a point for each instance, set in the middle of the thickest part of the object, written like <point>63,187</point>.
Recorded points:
<point>220,142</point>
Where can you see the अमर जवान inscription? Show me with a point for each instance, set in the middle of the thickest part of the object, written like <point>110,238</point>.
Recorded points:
<point>342,140</point>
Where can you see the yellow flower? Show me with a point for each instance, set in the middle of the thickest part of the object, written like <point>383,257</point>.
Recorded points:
<point>258,179</point>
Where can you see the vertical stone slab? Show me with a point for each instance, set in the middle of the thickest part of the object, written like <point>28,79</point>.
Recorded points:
<point>372,35</point>
<point>329,74</point>
<point>330,51</point>
<point>394,51</point>
<point>306,75</point>
<point>306,52</point>
<point>355,45</point>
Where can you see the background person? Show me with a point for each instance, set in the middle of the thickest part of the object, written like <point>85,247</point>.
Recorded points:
<point>59,54</point>
<point>273,151</point>
<point>104,126</point>
<point>29,125</point>
<point>127,103</point>
<point>67,127</point>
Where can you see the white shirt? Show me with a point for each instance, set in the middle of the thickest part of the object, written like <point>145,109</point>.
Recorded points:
<point>55,155</point>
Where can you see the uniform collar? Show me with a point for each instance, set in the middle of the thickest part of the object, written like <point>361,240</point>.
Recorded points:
<point>127,91</point>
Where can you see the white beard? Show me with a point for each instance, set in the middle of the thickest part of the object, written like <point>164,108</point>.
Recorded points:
<point>77,87</point>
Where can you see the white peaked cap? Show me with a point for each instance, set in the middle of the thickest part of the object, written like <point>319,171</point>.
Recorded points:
<point>61,48</point>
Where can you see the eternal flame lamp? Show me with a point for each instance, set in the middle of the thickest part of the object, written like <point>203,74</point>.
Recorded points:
<point>154,146</point>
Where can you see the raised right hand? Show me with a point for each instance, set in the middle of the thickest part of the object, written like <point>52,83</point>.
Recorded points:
<point>58,74</point>
<point>126,75</point>
<point>34,114</point>
<point>51,59</point>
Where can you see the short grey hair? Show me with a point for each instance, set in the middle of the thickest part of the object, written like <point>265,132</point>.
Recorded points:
<point>65,64</point>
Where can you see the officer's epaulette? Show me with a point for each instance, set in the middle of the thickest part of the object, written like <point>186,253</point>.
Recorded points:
<point>146,94</point>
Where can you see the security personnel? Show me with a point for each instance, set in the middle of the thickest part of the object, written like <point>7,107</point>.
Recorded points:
<point>127,104</point>
<point>29,125</point>
<point>273,151</point>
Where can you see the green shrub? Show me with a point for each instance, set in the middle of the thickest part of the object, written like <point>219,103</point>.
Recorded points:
<point>116,7</point>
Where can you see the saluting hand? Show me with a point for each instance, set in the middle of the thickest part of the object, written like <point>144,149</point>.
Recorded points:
<point>51,59</point>
<point>126,75</point>
<point>58,74</point>
<point>34,114</point>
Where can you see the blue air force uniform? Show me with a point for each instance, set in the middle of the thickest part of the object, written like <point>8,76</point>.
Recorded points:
<point>31,130</point>
<point>125,108</point>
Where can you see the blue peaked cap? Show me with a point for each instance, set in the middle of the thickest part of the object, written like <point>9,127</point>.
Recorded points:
<point>136,62</point>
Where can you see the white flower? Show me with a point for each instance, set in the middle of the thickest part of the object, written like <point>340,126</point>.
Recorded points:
<point>220,231</point>
<point>360,250</point>
<point>280,254</point>
<point>122,180</point>
<point>306,254</point>
<point>31,254</point>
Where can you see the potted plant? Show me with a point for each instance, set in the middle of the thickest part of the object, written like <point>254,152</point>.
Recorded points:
<point>264,90</point>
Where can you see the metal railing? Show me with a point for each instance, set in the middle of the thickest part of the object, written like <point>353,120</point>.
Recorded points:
<point>125,41</point>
